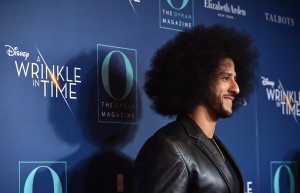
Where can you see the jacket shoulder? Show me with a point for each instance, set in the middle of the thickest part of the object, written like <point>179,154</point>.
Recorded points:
<point>160,163</point>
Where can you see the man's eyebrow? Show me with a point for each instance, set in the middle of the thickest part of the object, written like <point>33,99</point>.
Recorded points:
<point>229,74</point>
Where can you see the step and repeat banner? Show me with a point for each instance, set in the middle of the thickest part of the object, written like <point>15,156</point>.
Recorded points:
<point>73,111</point>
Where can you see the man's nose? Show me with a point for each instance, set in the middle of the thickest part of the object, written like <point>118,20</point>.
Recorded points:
<point>235,87</point>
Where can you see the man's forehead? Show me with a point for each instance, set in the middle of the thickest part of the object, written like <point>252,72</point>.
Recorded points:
<point>226,63</point>
<point>226,66</point>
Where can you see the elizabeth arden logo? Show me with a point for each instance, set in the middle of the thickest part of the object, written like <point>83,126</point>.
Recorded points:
<point>225,10</point>
<point>176,14</point>
<point>117,85</point>
<point>42,176</point>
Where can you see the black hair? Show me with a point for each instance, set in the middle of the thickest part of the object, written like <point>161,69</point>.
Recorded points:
<point>181,70</point>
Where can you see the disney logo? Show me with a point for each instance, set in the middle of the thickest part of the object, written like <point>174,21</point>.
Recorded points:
<point>267,82</point>
<point>13,51</point>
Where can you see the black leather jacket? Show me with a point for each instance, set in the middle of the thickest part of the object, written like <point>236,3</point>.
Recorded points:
<point>179,158</point>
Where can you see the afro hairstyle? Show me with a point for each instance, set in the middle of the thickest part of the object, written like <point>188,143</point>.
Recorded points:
<point>180,74</point>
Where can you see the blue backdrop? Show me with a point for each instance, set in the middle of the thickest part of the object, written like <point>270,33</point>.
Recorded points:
<point>73,112</point>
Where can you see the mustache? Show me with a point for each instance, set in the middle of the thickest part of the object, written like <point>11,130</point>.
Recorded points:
<point>231,95</point>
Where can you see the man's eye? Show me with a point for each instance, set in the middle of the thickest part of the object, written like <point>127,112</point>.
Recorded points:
<point>225,78</point>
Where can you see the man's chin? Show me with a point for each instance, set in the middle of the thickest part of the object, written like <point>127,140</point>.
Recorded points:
<point>225,114</point>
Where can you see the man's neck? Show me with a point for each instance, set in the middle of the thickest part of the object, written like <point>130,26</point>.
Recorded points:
<point>204,119</point>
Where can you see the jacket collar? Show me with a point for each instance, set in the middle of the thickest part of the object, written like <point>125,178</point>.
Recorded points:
<point>191,127</point>
<point>205,144</point>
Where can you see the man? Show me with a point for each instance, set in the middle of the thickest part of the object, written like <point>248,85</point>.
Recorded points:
<point>200,76</point>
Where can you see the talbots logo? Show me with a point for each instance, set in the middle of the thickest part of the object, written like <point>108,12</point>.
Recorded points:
<point>47,177</point>
<point>283,176</point>
<point>176,14</point>
<point>117,84</point>
<point>280,19</point>
<point>286,100</point>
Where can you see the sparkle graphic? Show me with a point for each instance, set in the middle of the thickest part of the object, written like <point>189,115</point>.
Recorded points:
<point>130,1</point>
<point>55,81</point>
<point>288,100</point>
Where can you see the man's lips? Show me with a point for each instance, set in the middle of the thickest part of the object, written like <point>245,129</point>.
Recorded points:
<point>229,97</point>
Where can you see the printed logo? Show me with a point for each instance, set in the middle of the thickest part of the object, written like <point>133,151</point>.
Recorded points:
<point>283,176</point>
<point>248,187</point>
<point>53,80</point>
<point>176,14</point>
<point>225,10</point>
<point>241,102</point>
<point>117,84</point>
<point>275,18</point>
<point>42,177</point>
<point>287,100</point>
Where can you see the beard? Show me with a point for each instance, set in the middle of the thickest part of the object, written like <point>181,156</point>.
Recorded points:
<point>215,105</point>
